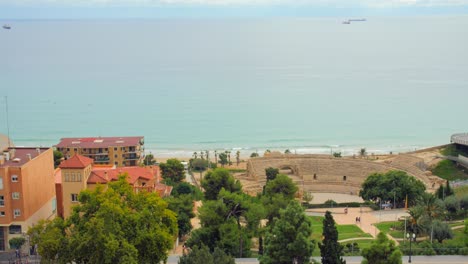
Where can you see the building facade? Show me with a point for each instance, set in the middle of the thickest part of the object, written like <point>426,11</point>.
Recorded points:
<point>79,173</point>
<point>27,192</point>
<point>118,151</point>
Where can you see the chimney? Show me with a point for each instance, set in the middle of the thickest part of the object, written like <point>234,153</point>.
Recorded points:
<point>29,156</point>
<point>38,150</point>
<point>7,155</point>
<point>12,153</point>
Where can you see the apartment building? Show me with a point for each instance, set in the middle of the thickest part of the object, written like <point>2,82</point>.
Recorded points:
<point>27,192</point>
<point>79,173</point>
<point>118,151</point>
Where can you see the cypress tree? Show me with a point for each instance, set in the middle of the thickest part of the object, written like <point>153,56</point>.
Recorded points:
<point>330,250</point>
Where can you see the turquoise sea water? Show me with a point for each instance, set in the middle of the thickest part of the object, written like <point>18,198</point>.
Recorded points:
<point>310,85</point>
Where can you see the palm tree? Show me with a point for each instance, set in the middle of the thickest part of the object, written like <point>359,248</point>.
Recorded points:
<point>238,157</point>
<point>195,155</point>
<point>229,156</point>
<point>362,152</point>
<point>201,155</point>
<point>216,157</point>
<point>207,153</point>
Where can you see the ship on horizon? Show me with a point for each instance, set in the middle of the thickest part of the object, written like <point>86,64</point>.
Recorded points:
<point>6,26</point>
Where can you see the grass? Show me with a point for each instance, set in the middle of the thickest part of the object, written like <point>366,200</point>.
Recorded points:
<point>461,191</point>
<point>390,228</point>
<point>447,169</point>
<point>344,232</point>
<point>350,231</point>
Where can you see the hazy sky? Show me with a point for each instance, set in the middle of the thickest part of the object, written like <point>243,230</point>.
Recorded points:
<point>50,9</point>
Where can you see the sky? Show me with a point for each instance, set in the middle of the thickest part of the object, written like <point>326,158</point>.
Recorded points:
<point>95,9</point>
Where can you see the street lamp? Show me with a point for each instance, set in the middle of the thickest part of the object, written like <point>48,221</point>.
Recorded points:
<point>410,237</point>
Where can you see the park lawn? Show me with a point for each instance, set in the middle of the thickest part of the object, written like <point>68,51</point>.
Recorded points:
<point>447,169</point>
<point>461,191</point>
<point>317,227</point>
<point>350,231</point>
<point>387,228</point>
<point>457,224</point>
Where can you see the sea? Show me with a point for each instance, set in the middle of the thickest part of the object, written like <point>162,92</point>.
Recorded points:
<point>310,85</point>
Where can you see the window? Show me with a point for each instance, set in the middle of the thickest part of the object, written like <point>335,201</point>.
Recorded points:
<point>15,195</point>
<point>54,205</point>
<point>2,200</point>
<point>344,178</point>
<point>15,229</point>
<point>115,156</point>
<point>115,149</point>
<point>1,183</point>
<point>2,213</point>
<point>14,178</point>
<point>315,176</point>
<point>74,197</point>
<point>16,212</point>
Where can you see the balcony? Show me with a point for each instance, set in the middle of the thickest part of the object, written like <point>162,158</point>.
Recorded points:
<point>101,159</point>
<point>96,154</point>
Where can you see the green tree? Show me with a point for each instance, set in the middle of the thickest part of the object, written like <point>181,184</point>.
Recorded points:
<point>362,152</point>
<point>441,231</point>
<point>183,207</point>
<point>288,239</point>
<point>287,151</point>
<point>452,205</point>
<point>330,250</point>
<point>337,154</point>
<point>223,158</point>
<point>187,188</point>
<point>254,155</point>
<point>149,160</point>
<point>217,179</point>
<point>172,171</point>
<point>271,173</point>
<point>49,236</point>
<point>392,185</point>
<point>202,254</point>
<point>307,197</point>
<point>444,191</point>
<point>278,193</point>
<point>58,156</point>
<point>237,158</point>
<point>282,184</point>
<point>117,225</point>
<point>199,164</point>
<point>382,251</point>
<point>17,242</point>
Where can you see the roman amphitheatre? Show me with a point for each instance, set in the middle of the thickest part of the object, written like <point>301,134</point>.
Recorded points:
<point>344,175</point>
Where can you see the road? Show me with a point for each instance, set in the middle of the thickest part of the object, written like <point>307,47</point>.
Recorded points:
<point>355,260</point>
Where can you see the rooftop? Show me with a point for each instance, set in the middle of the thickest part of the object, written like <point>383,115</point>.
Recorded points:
<point>19,156</point>
<point>99,142</point>
<point>76,162</point>
<point>134,173</point>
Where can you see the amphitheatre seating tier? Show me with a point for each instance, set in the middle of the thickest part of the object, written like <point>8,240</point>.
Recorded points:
<point>320,173</point>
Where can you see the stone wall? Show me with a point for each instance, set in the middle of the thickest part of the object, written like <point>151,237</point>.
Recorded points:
<point>320,173</point>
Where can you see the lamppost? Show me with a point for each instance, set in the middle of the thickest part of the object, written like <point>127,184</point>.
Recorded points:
<point>410,237</point>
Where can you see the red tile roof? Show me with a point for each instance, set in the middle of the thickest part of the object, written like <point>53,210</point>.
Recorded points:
<point>99,142</point>
<point>134,173</point>
<point>76,162</point>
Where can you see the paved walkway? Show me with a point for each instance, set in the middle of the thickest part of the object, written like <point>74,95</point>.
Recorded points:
<point>368,217</point>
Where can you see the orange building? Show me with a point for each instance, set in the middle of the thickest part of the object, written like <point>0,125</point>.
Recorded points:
<point>118,151</point>
<point>78,173</point>
<point>27,192</point>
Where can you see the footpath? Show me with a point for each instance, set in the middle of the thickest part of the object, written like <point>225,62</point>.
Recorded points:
<point>368,218</point>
